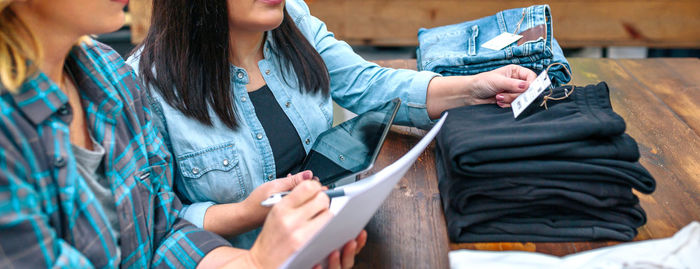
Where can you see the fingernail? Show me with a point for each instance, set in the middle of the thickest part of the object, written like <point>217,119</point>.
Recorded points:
<point>307,175</point>
<point>500,97</point>
<point>522,85</point>
<point>316,178</point>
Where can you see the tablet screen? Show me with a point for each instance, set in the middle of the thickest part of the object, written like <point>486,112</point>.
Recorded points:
<point>352,146</point>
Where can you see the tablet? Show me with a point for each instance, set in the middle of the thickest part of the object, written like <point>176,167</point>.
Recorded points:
<point>350,149</point>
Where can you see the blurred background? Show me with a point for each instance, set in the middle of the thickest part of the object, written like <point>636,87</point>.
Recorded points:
<point>387,29</point>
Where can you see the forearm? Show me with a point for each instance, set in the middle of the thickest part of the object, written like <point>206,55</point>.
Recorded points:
<point>230,219</point>
<point>446,92</point>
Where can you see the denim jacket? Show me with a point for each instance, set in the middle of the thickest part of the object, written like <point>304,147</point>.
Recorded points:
<point>456,49</point>
<point>215,164</point>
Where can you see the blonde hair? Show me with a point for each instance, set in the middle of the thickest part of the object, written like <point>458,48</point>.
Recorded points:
<point>18,48</point>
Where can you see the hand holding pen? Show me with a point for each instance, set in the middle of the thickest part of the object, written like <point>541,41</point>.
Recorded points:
<point>277,197</point>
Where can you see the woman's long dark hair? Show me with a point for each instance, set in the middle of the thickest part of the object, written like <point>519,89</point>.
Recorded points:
<point>188,46</point>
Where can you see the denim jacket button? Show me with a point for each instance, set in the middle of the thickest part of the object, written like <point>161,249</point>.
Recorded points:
<point>307,141</point>
<point>267,72</point>
<point>270,177</point>
<point>287,104</point>
<point>240,75</point>
<point>341,157</point>
<point>259,136</point>
<point>225,162</point>
<point>243,99</point>
<point>195,170</point>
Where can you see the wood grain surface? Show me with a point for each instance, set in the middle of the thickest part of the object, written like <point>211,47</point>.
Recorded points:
<point>656,97</point>
<point>576,23</point>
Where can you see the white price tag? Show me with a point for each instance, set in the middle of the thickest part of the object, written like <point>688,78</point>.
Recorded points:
<point>537,86</point>
<point>501,41</point>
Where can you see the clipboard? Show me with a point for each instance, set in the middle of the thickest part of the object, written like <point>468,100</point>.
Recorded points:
<point>352,212</point>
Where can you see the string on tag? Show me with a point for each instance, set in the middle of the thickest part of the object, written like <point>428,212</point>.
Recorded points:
<point>567,91</point>
<point>517,27</point>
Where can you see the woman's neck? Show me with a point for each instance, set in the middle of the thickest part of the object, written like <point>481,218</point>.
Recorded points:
<point>246,48</point>
<point>54,42</point>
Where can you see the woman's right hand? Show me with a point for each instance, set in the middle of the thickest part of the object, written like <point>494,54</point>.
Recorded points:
<point>290,223</point>
<point>251,205</point>
<point>235,218</point>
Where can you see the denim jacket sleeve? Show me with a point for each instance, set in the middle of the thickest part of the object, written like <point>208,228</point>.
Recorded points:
<point>359,85</point>
<point>192,212</point>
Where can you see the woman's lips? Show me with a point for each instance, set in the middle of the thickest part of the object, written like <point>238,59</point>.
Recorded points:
<point>271,2</point>
<point>124,2</point>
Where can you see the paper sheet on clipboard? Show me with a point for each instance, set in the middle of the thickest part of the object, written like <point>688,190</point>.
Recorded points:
<point>353,212</point>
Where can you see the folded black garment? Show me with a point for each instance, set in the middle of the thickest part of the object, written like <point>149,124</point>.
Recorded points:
<point>486,209</point>
<point>620,147</point>
<point>476,210</point>
<point>540,230</point>
<point>602,170</point>
<point>580,126</point>
<point>532,186</point>
<point>467,197</point>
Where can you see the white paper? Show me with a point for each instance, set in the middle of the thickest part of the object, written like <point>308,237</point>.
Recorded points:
<point>520,103</point>
<point>501,41</point>
<point>353,211</point>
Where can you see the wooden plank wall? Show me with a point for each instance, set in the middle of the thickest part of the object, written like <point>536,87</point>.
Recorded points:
<point>140,18</point>
<point>577,23</point>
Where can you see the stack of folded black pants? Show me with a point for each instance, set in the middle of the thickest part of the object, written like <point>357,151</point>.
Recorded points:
<point>564,173</point>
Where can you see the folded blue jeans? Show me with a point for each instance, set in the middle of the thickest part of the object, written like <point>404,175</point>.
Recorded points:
<point>456,49</point>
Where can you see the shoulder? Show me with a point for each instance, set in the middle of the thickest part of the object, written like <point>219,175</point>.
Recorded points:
<point>297,9</point>
<point>134,59</point>
<point>106,58</point>
<point>112,69</point>
<point>108,63</point>
<point>310,26</point>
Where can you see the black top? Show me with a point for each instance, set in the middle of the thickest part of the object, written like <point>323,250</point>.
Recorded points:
<point>284,139</point>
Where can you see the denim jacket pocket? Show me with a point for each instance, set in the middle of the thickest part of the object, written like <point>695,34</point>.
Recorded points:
<point>214,173</point>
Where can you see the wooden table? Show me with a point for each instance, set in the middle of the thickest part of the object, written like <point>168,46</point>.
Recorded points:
<point>660,102</point>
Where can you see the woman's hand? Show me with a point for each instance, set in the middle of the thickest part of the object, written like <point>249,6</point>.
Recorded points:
<point>291,223</point>
<point>350,249</point>
<point>251,204</point>
<point>500,86</point>
<point>236,218</point>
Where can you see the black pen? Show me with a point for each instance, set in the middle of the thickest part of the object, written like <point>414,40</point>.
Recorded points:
<point>275,198</point>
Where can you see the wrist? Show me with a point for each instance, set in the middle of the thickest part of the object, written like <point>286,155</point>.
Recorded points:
<point>448,92</point>
<point>251,213</point>
<point>228,219</point>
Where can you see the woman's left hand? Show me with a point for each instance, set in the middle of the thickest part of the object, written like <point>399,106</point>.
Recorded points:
<point>346,258</point>
<point>500,86</point>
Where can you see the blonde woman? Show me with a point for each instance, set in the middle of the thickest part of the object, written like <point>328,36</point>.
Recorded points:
<point>85,180</point>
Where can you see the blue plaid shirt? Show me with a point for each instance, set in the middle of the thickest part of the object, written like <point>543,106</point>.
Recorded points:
<point>49,217</point>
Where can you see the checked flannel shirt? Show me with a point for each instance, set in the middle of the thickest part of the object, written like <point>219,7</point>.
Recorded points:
<point>49,217</point>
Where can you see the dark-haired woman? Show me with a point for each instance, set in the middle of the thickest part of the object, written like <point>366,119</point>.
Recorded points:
<point>244,87</point>
<point>85,178</point>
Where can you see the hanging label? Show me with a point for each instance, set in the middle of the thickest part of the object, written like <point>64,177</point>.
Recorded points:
<point>537,86</point>
<point>501,41</point>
